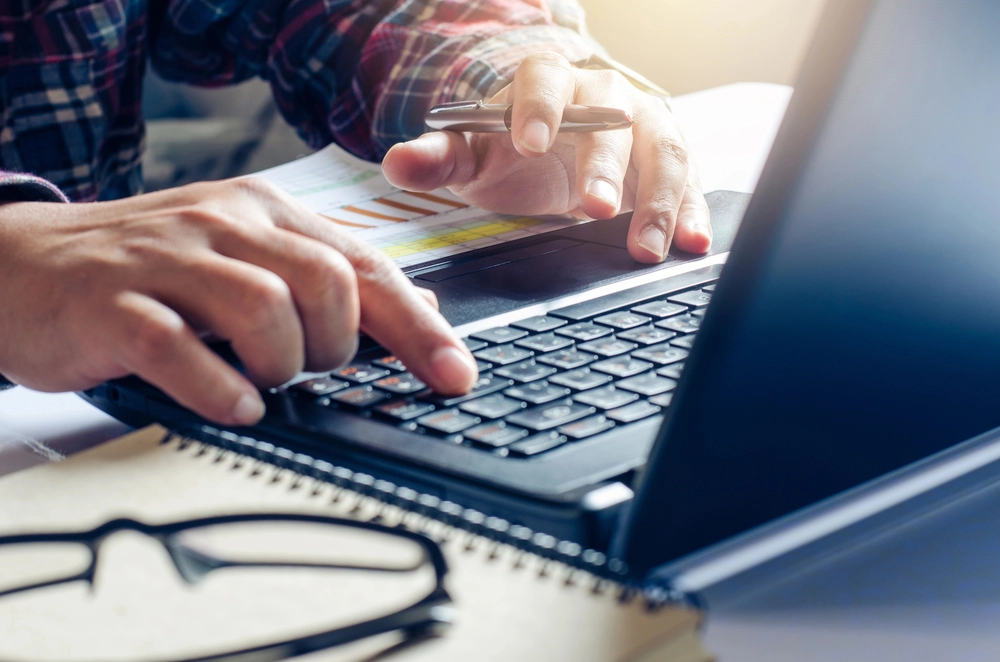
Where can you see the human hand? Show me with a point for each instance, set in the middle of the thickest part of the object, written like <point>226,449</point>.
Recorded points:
<point>535,170</point>
<point>91,292</point>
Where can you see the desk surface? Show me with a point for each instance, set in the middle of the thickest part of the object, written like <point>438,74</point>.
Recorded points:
<point>929,591</point>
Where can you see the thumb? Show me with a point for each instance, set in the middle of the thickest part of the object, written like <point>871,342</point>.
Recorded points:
<point>434,160</point>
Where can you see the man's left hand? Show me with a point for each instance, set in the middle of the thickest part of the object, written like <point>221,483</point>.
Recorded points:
<point>535,170</point>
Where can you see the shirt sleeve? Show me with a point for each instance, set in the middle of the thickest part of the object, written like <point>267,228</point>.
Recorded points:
<point>19,187</point>
<point>363,73</point>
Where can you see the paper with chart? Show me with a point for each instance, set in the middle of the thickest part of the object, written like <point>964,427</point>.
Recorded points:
<point>409,227</point>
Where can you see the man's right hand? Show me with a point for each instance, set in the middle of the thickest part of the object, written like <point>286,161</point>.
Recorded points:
<point>91,292</point>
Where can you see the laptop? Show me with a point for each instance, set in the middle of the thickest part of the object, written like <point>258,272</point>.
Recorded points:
<point>852,329</point>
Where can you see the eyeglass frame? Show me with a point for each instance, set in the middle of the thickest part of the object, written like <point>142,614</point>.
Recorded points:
<point>422,616</point>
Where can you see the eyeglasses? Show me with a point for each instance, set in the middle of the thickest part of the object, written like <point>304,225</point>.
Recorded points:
<point>200,547</point>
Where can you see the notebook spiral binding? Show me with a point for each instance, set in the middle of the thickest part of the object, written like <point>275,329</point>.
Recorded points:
<point>500,531</point>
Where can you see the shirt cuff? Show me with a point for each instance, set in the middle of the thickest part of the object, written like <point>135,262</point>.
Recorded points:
<point>19,187</point>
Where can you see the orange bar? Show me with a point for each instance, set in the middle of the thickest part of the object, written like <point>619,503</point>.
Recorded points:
<point>400,205</point>
<point>372,214</point>
<point>438,199</point>
<point>347,223</point>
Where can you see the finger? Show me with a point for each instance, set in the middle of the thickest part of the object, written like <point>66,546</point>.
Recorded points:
<point>434,160</point>
<point>245,304</point>
<point>602,159</point>
<point>156,344</point>
<point>661,160</point>
<point>430,297</point>
<point>322,283</point>
<point>392,310</point>
<point>543,85</point>
<point>694,227</point>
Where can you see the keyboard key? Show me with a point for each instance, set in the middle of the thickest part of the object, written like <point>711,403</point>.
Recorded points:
<point>528,371</point>
<point>673,371</point>
<point>448,421</point>
<point>647,335</point>
<point>503,354</point>
<point>684,342</point>
<point>567,359</point>
<point>582,379</point>
<point>483,366</point>
<point>321,386</point>
<point>681,324</point>
<point>359,397</point>
<point>390,363</point>
<point>401,384</point>
<point>662,400</point>
<point>483,386</point>
<point>648,384</point>
<point>608,346</point>
<point>537,393</point>
<point>361,373</point>
<point>584,331</point>
<point>587,427</point>
<point>622,320</point>
<point>660,309</point>
<point>607,397</point>
<point>403,410</point>
<point>622,366</point>
<point>473,344</point>
<point>635,296</point>
<point>495,434</point>
<point>633,412</point>
<point>499,335</point>
<point>546,342</point>
<point>708,288</point>
<point>550,416</point>
<point>538,443</point>
<point>539,324</point>
<point>492,406</point>
<point>693,298</point>
<point>699,312</point>
<point>661,354</point>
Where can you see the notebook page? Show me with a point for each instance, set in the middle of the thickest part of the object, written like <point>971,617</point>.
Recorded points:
<point>503,612</point>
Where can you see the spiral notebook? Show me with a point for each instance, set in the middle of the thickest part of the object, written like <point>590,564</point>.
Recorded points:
<point>516,597</point>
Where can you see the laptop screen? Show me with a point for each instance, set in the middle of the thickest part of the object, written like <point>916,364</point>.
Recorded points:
<point>856,328</point>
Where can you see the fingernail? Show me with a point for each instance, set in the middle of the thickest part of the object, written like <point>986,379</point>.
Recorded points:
<point>604,190</point>
<point>453,368</point>
<point>535,136</point>
<point>653,240</point>
<point>249,409</point>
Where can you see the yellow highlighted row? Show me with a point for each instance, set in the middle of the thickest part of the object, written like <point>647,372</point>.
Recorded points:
<point>458,236</point>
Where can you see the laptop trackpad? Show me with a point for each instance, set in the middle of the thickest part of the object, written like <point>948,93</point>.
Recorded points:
<point>523,282</point>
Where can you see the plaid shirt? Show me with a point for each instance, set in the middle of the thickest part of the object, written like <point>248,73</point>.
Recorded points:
<point>358,72</point>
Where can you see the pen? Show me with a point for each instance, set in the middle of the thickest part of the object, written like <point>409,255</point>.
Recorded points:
<point>479,117</point>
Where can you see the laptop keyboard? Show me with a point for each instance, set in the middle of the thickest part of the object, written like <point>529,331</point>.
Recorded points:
<point>544,381</point>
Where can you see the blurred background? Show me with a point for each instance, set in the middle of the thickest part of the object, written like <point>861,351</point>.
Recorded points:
<point>690,45</point>
<point>684,45</point>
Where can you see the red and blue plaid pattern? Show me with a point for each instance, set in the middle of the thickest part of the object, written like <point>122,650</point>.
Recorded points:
<point>358,72</point>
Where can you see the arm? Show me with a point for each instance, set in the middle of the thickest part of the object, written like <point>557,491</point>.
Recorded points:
<point>363,73</point>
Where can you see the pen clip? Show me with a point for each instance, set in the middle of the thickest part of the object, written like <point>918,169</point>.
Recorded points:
<point>455,105</point>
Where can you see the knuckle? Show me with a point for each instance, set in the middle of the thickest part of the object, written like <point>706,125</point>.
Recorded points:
<point>548,59</point>
<point>612,79</point>
<point>156,337</point>
<point>269,299</point>
<point>372,265</point>
<point>673,149</point>
<point>332,273</point>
